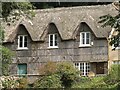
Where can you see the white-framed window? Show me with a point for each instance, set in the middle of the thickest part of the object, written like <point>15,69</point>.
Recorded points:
<point>116,62</point>
<point>84,67</point>
<point>22,42</point>
<point>85,39</point>
<point>53,41</point>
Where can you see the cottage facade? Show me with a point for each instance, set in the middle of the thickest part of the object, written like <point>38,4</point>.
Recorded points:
<point>62,34</point>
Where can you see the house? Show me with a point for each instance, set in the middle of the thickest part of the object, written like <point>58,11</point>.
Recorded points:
<point>60,34</point>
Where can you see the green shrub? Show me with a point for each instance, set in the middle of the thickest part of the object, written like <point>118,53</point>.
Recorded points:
<point>50,81</point>
<point>114,75</point>
<point>68,73</point>
<point>48,68</point>
<point>23,82</point>
<point>6,59</point>
<point>56,75</point>
<point>9,82</point>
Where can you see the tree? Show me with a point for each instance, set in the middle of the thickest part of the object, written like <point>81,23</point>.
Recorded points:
<point>17,9</point>
<point>14,9</point>
<point>56,75</point>
<point>113,22</point>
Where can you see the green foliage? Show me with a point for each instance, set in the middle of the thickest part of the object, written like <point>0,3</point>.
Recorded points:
<point>86,82</point>
<point>50,81</point>
<point>1,35</point>
<point>68,73</point>
<point>48,69</point>
<point>9,82</point>
<point>57,75</point>
<point>114,75</point>
<point>24,8</point>
<point>113,22</point>
<point>23,82</point>
<point>6,59</point>
<point>109,20</point>
<point>14,9</point>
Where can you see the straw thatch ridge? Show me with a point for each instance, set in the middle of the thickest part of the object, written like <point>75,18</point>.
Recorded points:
<point>66,20</point>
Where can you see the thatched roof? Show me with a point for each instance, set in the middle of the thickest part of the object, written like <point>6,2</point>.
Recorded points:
<point>66,20</point>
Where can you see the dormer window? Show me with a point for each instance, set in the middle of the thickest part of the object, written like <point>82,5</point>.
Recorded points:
<point>85,39</point>
<point>53,42</point>
<point>22,42</point>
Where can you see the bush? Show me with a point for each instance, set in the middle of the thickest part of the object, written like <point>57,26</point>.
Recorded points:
<point>9,82</point>
<point>6,59</point>
<point>23,82</point>
<point>57,75</point>
<point>50,81</point>
<point>68,73</point>
<point>114,75</point>
<point>48,69</point>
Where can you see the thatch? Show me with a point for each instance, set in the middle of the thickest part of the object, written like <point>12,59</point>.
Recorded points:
<point>66,20</point>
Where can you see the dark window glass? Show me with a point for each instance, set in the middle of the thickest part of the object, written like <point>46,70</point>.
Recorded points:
<point>87,38</point>
<point>55,40</point>
<point>25,41</point>
<point>21,41</point>
<point>51,40</point>
<point>83,38</point>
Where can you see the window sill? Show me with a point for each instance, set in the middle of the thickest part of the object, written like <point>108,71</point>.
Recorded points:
<point>54,47</point>
<point>85,46</point>
<point>22,48</point>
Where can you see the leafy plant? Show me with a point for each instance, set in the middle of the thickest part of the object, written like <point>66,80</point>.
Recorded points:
<point>9,82</point>
<point>48,68</point>
<point>114,75</point>
<point>68,73</point>
<point>23,82</point>
<point>113,22</point>
<point>62,74</point>
<point>50,81</point>
<point>17,9</point>
<point>5,60</point>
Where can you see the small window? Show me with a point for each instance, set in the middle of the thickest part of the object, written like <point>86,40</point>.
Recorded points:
<point>22,69</point>
<point>22,42</point>
<point>116,62</point>
<point>53,43</point>
<point>85,39</point>
<point>84,67</point>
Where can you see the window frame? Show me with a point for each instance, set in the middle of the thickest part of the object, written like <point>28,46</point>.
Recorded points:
<point>85,39</point>
<point>85,67</point>
<point>23,42</point>
<point>54,40</point>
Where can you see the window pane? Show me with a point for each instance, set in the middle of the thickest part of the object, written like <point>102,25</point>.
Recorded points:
<point>51,40</point>
<point>55,40</point>
<point>22,69</point>
<point>87,38</point>
<point>83,38</point>
<point>51,43</point>
<point>87,35</point>
<point>51,37</point>
<point>25,41</point>
<point>20,41</point>
<point>87,41</point>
